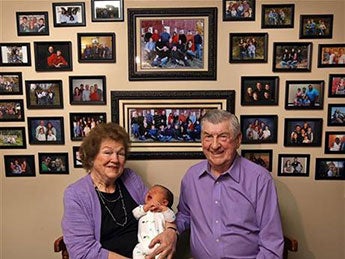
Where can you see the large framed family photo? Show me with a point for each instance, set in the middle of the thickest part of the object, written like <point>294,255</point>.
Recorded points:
<point>166,124</point>
<point>11,83</point>
<point>188,34</point>
<point>277,16</point>
<point>32,23</point>
<point>69,14</point>
<point>15,54</point>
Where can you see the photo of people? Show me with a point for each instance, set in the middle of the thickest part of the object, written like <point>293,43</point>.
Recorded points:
<point>44,94</point>
<point>336,85</point>
<point>12,137</point>
<point>69,14</point>
<point>278,16</point>
<point>53,163</point>
<point>304,94</point>
<point>46,130</point>
<point>260,157</point>
<point>259,90</point>
<point>19,165</point>
<point>303,132</point>
<point>35,23</point>
<point>330,169</point>
<point>82,123</point>
<point>106,10</point>
<point>336,115</point>
<point>291,56</point>
<point>11,110</point>
<point>96,47</point>
<point>331,55</point>
<point>76,157</point>
<point>87,90</point>
<point>293,165</point>
<point>335,142</point>
<point>237,10</point>
<point>10,83</point>
<point>15,54</point>
<point>316,26</point>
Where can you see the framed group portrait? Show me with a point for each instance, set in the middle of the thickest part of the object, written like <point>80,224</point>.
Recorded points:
<point>330,169</point>
<point>336,114</point>
<point>239,10</point>
<point>53,163</point>
<point>11,83</point>
<point>293,165</point>
<point>316,26</point>
<point>81,123</point>
<point>336,85</point>
<point>69,14</point>
<point>15,54</point>
<point>261,157</point>
<point>188,34</point>
<point>107,10</point>
<point>12,137</point>
<point>32,23</point>
<point>77,163</point>
<point>335,142</point>
<point>277,16</point>
<point>331,55</point>
<point>12,110</point>
<point>19,165</point>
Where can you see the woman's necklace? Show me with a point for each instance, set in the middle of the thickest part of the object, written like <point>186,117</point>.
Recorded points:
<point>103,200</point>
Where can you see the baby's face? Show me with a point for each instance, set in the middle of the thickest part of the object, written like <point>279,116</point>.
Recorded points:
<point>156,194</point>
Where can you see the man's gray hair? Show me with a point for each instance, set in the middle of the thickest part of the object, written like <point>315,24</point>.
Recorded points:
<point>216,116</point>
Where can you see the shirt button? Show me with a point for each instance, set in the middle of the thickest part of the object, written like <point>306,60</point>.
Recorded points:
<point>217,221</point>
<point>216,202</point>
<point>217,240</point>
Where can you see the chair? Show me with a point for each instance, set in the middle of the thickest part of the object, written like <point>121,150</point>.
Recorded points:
<point>59,246</point>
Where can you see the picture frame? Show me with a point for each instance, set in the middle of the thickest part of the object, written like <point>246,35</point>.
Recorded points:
<point>44,94</point>
<point>277,16</point>
<point>95,86</point>
<point>335,142</point>
<point>316,26</point>
<point>303,132</point>
<point>259,129</point>
<point>53,56</point>
<point>261,157</point>
<point>331,55</point>
<point>336,114</point>
<point>96,47</point>
<point>53,163</point>
<point>259,90</point>
<point>82,122</point>
<point>77,163</point>
<point>32,23</point>
<point>292,165</point>
<point>301,53</point>
<point>69,14</point>
<point>19,165</point>
<point>11,83</point>
<point>107,10</point>
<point>195,24</point>
<point>46,130</point>
<point>127,106</point>
<point>12,138</point>
<point>330,169</point>
<point>12,110</point>
<point>234,11</point>
<point>304,94</point>
<point>15,54</point>
<point>248,47</point>
<point>336,86</point>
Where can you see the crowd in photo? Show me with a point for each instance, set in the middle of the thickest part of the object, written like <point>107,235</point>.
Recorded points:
<point>87,92</point>
<point>32,24</point>
<point>260,93</point>
<point>83,125</point>
<point>45,131</point>
<point>333,56</point>
<point>302,134</point>
<point>51,164</point>
<point>240,8</point>
<point>312,28</point>
<point>306,96</point>
<point>275,17</point>
<point>258,130</point>
<point>8,85</point>
<point>10,110</point>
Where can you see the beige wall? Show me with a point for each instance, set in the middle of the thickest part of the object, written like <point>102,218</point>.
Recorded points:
<point>31,208</point>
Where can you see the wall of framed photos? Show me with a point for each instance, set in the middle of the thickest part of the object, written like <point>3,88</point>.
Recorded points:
<point>311,201</point>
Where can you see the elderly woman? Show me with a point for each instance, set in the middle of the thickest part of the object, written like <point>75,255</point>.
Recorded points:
<point>98,220</point>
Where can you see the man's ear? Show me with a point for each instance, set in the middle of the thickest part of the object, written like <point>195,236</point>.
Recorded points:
<point>239,141</point>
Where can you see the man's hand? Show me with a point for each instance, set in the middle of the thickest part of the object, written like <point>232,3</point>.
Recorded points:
<point>167,240</point>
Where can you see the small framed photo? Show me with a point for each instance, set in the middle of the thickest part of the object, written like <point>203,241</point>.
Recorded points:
<point>331,55</point>
<point>259,90</point>
<point>15,54</point>
<point>87,90</point>
<point>239,10</point>
<point>336,114</point>
<point>11,110</point>
<point>19,165</point>
<point>44,94</point>
<point>293,165</point>
<point>316,26</point>
<point>336,85</point>
<point>248,47</point>
<point>261,157</point>
<point>304,94</point>
<point>107,10</point>
<point>303,132</point>
<point>292,56</point>
<point>82,123</point>
<point>330,169</point>
<point>32,23</point>
<point>335,142</point>
<point>53,163</point>
<point>77,163</point>
<point>12,137</point>
<point>259,129</point>
<point>11,83</point>
<point>69,14</point>
<point>96,48</point>
<point>46,130</point>
<point>277,16</point>
<point>53,56</point>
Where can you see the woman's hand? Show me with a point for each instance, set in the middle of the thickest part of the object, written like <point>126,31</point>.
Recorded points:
<point>167,244</point>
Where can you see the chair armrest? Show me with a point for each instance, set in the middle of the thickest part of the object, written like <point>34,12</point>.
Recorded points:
<point>290,244</point>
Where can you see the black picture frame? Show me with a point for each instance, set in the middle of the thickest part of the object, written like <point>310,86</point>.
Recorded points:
<point>125,105</point>
<point>259,129</point>
<point>77,163</point>
<point>13,110</point>
<point>282,52</point>
<point>200,23</point>
<point>336,85</point>
<point>336,114</point>
<point>316,26</point>
<point>44,94</point>
<point>335,142</point>
<point>39,127</point>
<point>293,165</point>
<point>69,14</point>
<point>12,138</point>
<point>277,16</point>
<point>259,90</point>
<point>96,47</point>
<point>261,157</point>
<point>32,23</point>
<point>300,126</point>
<point>11,83</point>
<point>47,58</point>
<point>107,10</point>
<point>77,85</point>
<point>15,54</point>
<point>19,165</point>
<point>331,55</point>
<point>235,11</point>
<point>248,47</point>
<point>301,94</point>
<point>53,163</point>
<point>82,122</point>
<point>330,169</point>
